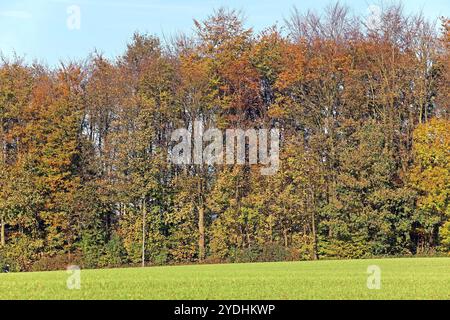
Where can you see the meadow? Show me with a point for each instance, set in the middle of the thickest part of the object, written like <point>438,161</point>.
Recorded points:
<point>407,278</point>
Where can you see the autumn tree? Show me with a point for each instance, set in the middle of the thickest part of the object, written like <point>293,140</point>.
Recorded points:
<point>430,176</point>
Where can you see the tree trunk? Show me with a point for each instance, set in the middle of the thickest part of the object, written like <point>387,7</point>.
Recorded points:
<point>201,231</point>
<point>285,235</point>
<point>315,256</point>
<point>201,224</point>
<point>2,233</point>
<point>313,222</point>
<point>144,214</point>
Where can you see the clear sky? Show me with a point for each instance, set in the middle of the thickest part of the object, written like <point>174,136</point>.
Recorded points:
<point>47,30</point>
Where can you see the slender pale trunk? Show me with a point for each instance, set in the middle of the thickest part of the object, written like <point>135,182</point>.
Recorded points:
<point>144,214</point>
<point>285,229</point>
<point>313,223</point>
<point>201,224</point>
<point>2,233</point>
<point>201,230</point>
<point>315,256</point>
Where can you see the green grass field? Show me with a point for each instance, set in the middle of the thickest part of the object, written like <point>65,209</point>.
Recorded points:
<point>414,278</point>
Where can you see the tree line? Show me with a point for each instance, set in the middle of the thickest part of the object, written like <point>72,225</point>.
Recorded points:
<point>362,112</point>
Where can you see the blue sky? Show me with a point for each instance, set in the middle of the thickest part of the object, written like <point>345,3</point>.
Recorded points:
<point>37,29</point>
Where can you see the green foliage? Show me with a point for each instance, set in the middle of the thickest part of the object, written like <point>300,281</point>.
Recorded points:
<point>91,249</point>
<point>114,253</point>
<point>356,248</point>
<point>445,236</point>
<point>430,177</point>
<point>21,252</point>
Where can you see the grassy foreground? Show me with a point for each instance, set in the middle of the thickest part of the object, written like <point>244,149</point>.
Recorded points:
<point>415,278</point>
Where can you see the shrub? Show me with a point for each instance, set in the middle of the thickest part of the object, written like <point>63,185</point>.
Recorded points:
<point>445,237</point>
<point>302,248</point>
<point>344,249</point>
<point>57,262</point>
<point>6,264</point>
<point>160,258</point>
<point>21,252</point>
<point>273,252</point>
<point>244,255</point>
<point>114,253</point>
<point>91,251</point>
